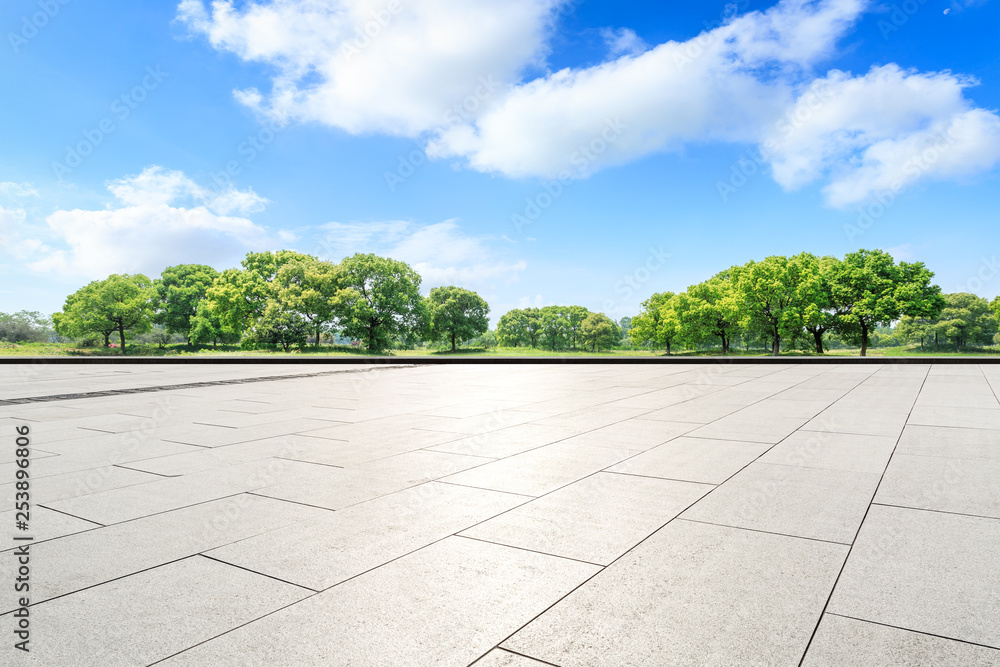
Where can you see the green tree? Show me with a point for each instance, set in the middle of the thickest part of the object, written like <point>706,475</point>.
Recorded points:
<point>280,325</point>
<point>575,315</point>
<point>457,314</point>
<point>658,324</point>
<point>555,326</point>
<point>380,300</point>
<point>24,326</point>
<point>710,309</point>
<point>179,290</point>
<point>512,328</point>
<point>909,329</point>
<point>207,327</point>
<point>874,291</point>
<point>599,331</point>
<point>774,294</point>
<point>120,303</point>
<point>823,313</point>
<point>967,319</point>
<point>309,287</point>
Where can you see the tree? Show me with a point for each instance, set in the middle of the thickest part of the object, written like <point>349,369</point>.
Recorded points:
<point>599,331</point>
<point>309,287</point>
<point>575,315</point>
<point>914,328</point>
<point>824,312</point>
<point>624,324</point>
<point>874,291</point>
<point>206,326</point>
<point>380,300</point>
<point>658,323</point>
<point>512,328</point>
<point>710,309</point>
<point>24,326</point>
<point>967,319</point>
<point>456,313</point>
<point>775,293</point>
<point>121,303</point>
<point>279,324</point>
<point>179,290</point>
<point>555,326</point>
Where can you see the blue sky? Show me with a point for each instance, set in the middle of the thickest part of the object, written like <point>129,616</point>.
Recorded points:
<point>688,137</point>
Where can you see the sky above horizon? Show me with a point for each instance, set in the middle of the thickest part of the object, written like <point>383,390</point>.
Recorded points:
<point>536,151</point>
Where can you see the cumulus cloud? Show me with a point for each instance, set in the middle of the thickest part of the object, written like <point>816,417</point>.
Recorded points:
<point>441,253</point>
<point>391,66</point>
<point>405,68</point>
<point>160,217</point>
<point>881,132</point>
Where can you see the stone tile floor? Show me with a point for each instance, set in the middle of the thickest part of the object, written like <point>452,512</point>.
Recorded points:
<point>506,515</point>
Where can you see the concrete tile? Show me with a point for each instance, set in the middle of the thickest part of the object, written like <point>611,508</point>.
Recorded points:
<point>835,451</point>
<point>216,436</point>
<point>693,459</point>
<point>957,417</point>
<point>169,493</point>
<point>860,422</point>
<point>698,411</point>
<point>446,604</point>
<point>925,571</point>
<point>334,548</point>
<point>596,519</point>
<point>664,602</point>
<point>768,428</point>
<point>591,418</point>
<point>501,658</point>
<point>506,442</point>
<point>847,642</point>
<point>151,615</point>
<point>44,525</point>
<point>539,471</point>
<point>962,486</point>
<point>60,488</point>
<point>817,503</point>
<point>632,434</point>
<point>78,561</point>
<point>961,443</point>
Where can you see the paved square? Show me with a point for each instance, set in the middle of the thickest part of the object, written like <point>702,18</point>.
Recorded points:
<point>504,515</point>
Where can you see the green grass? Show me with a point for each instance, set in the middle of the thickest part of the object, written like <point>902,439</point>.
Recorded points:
<point>68,349</point>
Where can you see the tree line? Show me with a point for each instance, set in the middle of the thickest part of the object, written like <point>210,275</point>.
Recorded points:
<point>786,299</point>
<point>280,298</point>
<point>286,298</point>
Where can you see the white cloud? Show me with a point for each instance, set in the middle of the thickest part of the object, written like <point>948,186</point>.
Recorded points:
<point>9,189</point>
<point>391,66</point>
<point>153,224</point>
<point>421,59</point>
<point>881,132</point>
<point>623,41</point>
<point>441,253</point>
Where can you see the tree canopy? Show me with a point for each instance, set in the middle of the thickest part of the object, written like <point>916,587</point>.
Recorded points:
<point>457,314</point>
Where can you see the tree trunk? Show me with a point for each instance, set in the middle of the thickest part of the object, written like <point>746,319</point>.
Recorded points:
<point>725,344</point>
<point>121,335</point>
<point>818,337</point>
<point>452,341</point>
<point>371,336</point>
<point>107,338</point>
<point>318,325</point>
<point>864,340</point>
<point>775,343</point>
<point>668,348</point>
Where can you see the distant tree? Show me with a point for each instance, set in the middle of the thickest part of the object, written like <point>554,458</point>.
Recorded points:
<point>658,324</point>
<point>874,291</point>
<point>909,329</point>
<point>380,300</point>
<point>599,332</point>
<point>774,294</point>
<point>457,314</point>
<point>279,325</point>
<point>179,291</point>
<point>120,303</point>
<point>710,309</point>
<point>512,329</point>
<point>24,327</point>
<point>206,327</point>
<point>555,323</point>
<point>967,319</point>
<point>575,315</point>
<point>309,287</point>
<point>624,324</point>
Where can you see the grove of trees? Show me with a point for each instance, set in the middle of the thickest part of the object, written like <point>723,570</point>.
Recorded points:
<point>285,298</point>
<point>787,299</point>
